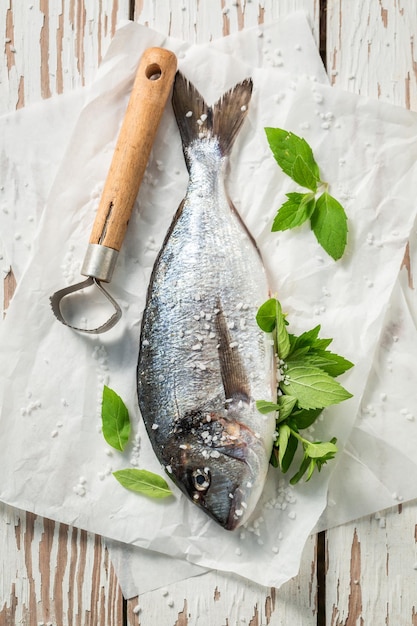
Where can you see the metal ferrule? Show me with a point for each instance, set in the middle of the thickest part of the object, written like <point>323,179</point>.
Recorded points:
<point>99,262</point>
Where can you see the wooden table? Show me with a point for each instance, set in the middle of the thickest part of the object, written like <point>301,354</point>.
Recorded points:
<point>363,573</point>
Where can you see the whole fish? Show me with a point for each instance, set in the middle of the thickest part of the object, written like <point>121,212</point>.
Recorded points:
<point>203,361</point>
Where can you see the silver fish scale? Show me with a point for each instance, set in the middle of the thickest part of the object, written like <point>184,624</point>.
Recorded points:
<point>208,266</point>
<point>207,258</point>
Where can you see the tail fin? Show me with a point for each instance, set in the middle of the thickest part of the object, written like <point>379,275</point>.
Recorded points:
<point>197,120</point>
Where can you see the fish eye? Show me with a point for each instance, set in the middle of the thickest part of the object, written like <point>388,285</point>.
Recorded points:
<point>201,479</point>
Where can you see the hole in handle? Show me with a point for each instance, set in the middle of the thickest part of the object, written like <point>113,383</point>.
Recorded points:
<point>153,71</point>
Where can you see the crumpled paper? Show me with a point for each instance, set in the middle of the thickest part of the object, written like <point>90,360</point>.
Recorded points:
<point>67,460</point>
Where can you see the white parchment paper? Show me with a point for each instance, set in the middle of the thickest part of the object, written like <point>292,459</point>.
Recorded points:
<point>56,462</point>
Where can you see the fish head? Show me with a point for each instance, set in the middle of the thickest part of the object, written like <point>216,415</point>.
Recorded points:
<point>220,465</point>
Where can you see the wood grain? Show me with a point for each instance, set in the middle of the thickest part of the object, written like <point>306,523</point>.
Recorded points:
<point>376,582</point>
<point>203,21</point>
<point>53,46</point>
<point>215,599</point>
<point>363,40</point>
<point>371,563</point>
<point>147,102</point>
<point>55,574</point>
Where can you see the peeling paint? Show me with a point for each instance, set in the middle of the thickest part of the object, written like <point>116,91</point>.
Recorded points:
<point>44,45</point>
<point>9,43</point>
<point>182,617</point>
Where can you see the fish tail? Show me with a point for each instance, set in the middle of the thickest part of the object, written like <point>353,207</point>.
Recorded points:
<point>197,121</point>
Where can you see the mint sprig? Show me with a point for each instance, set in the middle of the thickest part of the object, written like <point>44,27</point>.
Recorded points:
<point>306,385</point>
<point>116,431</point>
<point>327,216</point>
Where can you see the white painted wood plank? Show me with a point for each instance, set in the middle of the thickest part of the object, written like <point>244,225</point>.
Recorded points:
<point>206,20</point>
<point>371,563</point>
<point>215,598</point>
<point>54,574</point>
<point>374,562</point>
<point>52,47</point>
<point>372,48</point>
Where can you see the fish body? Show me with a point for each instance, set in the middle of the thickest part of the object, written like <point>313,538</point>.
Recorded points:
<point>203,361</point>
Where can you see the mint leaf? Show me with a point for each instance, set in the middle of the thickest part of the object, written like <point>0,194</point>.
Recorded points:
<point>264,406</point>
<point>286,405</point>
<point>283,340</point>
<point>312,387</point>
<point>329,224</point>
<point>284,433</point>
<point>294,156</point>
<point>309,339</point>
<point>303,418</point>
<point>269,318</point>
<point>305,464</point>
<point>266,316</point>
<point>143,481</point>
<point>321,450</point>
<point>297,210</point>
<point>115,419</point>
<point>290,451</point>
<point>329,362</point>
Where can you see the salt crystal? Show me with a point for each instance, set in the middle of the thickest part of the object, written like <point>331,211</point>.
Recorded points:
<point>189,114</point>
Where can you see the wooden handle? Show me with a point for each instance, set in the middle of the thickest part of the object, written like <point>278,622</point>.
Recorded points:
<point>149,95</point>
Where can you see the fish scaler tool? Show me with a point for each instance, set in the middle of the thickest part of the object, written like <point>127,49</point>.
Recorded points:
<point>150,92</point>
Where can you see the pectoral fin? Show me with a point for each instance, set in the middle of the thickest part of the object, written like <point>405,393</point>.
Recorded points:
<point>234,378</point>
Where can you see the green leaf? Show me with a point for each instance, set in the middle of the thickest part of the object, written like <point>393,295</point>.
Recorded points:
<point>329,362</point>
<point>143,481</point>
<point>307,339</point>
<point>303,418</point>
<point>303,468</point>
<point>290,451</point>
<point>270,317</point>
<point>284,433</point>
<point>312,466</point>
<point>295,211</point>
<point>283,340</point>
<point>329,224</point>
<point>294,156</point>
<point>264,406</point>
<point>115,419</point>
<point>285,407</point>
<point>319,450</point>
<point>266,316</point>
<point>312,387</point>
